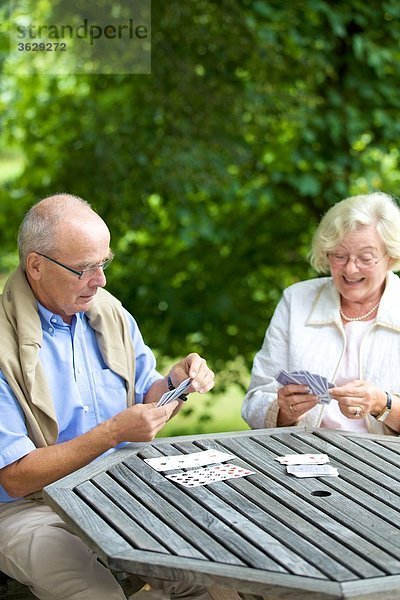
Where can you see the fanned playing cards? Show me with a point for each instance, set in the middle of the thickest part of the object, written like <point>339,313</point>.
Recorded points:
<point>318,385</point>
<point>172,394</point>
<point>207,475</point>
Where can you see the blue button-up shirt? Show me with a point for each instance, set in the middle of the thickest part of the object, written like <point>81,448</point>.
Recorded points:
<point>85,391</point>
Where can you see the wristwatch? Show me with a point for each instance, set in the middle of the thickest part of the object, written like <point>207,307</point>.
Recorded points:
<point>172,387</point>
<point>386,411</point>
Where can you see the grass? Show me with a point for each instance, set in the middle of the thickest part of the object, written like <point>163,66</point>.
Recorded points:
<point>209,413</point>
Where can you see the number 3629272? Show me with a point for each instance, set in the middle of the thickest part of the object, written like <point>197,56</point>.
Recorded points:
<point>42,47</point>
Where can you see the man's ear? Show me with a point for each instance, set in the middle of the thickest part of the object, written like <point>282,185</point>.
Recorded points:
<point>34,266</point>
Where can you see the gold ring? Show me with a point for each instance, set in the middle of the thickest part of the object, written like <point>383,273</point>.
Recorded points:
<point>291,408</point>
<point>358,411</point>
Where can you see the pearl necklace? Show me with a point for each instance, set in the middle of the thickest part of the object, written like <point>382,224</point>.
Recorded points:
<point>373,309</point>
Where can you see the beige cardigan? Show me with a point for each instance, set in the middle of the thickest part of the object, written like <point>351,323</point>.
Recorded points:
<point>20,341</point>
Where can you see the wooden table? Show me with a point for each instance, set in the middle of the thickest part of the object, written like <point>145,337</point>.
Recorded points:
<point>268,534</point>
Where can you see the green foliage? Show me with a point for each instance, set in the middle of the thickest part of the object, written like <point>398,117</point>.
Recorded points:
<point>213,171</point>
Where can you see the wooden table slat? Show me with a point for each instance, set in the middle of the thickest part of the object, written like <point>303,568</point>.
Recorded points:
<point>88,524</point>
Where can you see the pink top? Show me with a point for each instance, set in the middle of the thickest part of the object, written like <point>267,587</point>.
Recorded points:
<point>349,369</point>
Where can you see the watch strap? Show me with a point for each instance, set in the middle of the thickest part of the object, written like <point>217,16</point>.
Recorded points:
<point>172,387</point>
<point>386,411</point>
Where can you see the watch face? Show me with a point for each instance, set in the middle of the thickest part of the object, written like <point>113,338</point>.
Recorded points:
<point>383,415</point>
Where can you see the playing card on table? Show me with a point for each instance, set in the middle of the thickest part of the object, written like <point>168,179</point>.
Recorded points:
<point>303,459</point>
<point>186,461</point>
<point>172,394</point>
<point>312,470</point>
<point>318,385</point>
<point>207,475</point>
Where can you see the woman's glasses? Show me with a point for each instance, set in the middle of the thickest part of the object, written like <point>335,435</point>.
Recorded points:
<point>364,261</point>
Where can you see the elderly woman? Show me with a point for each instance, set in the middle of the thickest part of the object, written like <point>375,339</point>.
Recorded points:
<point>345,327</point>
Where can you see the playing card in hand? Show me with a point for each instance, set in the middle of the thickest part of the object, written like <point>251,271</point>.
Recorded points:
<point>318,384</point>
<point>172,394</point>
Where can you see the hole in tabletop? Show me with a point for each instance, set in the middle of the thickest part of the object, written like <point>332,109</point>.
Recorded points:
<point>321,493</point>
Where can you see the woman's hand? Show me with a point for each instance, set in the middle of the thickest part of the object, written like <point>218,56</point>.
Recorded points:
<point>359,398</point>
<point>294,401</point>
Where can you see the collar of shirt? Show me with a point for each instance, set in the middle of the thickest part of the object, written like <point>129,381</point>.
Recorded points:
<point>50,321</point>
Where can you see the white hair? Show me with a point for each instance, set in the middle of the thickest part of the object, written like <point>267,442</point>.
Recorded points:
<point>37,232</point>
<point>355,213</point>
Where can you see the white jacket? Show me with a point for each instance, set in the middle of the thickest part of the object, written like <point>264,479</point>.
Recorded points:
<point>306,332</point>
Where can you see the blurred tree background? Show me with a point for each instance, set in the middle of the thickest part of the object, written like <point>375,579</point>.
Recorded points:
<point>213,171</point>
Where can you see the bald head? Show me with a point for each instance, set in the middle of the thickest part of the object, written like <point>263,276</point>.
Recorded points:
<point>51,218</point>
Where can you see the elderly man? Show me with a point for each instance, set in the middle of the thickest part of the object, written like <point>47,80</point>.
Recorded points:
<point>76,381</point>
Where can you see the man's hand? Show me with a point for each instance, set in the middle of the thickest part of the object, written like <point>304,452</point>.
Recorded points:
<point>140,423</point>
<point>196,368</point>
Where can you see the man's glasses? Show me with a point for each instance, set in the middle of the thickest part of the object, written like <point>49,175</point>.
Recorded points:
<point>364,261</point>
<point>84,272</point>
